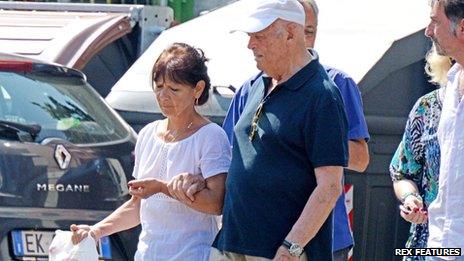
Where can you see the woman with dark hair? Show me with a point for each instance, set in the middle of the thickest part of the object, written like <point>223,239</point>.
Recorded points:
<point>180,168</point>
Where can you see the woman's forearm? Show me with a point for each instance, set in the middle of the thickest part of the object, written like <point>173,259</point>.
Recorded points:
<point>208,201</point>
<point>125,217</point>
<point>404,187</point>
<point>208,195</point>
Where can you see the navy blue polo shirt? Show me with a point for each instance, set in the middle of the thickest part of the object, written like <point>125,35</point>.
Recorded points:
<point>302,126</point>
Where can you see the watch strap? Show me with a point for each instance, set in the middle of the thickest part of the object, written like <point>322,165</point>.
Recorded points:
<point>287,244</point>
<point>294,249</point>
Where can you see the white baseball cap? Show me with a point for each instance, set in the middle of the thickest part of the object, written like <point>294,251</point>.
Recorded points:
<point>263,13</point>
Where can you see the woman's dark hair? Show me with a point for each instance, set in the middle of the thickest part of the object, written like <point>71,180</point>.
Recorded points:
<point>183,64</point>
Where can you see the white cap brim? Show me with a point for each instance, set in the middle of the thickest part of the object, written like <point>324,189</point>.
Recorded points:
<point>253,25</point>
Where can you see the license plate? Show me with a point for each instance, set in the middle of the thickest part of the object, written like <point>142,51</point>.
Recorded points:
<point>33,243</point>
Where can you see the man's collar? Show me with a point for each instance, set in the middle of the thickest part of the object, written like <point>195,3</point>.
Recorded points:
<point>304,74</point>
<point>453,71</point>
<point>299,78</point>
<point>313,53</point>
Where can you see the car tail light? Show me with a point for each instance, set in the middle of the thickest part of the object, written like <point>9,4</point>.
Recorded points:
<point>15,66</point>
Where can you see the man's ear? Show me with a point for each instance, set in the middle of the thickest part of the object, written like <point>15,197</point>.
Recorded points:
<point>291,29</point>
<point>199,87</point>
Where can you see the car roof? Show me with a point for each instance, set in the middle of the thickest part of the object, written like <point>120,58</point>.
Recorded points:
<point>64,35</point>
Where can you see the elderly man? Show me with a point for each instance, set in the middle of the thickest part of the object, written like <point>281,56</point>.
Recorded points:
<point>446,212</point>
<point>358,133</point>
<point>289,147</point>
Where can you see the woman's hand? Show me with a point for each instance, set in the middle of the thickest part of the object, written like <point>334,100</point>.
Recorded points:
<point>82,231</point>
<point>184,186</point>
<point>412,210</point>
<point>144,188</point>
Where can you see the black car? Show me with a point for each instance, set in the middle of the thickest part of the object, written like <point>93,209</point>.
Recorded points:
<point>65,157</point>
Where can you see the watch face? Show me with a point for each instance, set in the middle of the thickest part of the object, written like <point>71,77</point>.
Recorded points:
<point>295,250</point>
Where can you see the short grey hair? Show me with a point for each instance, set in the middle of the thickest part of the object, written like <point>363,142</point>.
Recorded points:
<point>454,11</point>
<point>314,7</point>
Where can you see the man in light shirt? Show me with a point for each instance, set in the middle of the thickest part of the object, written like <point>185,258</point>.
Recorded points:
<point>446,212</point>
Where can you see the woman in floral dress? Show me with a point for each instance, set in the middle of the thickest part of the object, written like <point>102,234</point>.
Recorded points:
<point>415,165</point>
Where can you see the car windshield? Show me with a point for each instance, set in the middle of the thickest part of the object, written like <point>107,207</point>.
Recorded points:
<point>65,107</point>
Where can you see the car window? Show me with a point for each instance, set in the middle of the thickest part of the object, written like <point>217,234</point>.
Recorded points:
<point>65,107</point>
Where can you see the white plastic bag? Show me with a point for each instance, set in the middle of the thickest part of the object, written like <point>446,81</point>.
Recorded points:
<point>62,248</point>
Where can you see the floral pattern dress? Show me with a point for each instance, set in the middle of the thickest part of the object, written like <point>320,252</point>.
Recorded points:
<point>418,158</point>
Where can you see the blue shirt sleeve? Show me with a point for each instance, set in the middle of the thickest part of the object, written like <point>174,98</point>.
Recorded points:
<point>357,129</point>
<point>353,104</point>
<point>327,131</point>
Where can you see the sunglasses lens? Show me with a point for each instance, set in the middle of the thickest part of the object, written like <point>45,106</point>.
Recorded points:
<point>254,122</point>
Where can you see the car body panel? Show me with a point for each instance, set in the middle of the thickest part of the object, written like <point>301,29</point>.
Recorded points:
<point>71,34</point>
<point>102,40</point>
<point>70,39</point>
<point>94,179</point>
<point>47,182</point>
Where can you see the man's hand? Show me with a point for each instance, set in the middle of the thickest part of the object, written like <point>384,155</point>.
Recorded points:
<point>184,186</point>
<point>144,188</point>
<point>283,255</point>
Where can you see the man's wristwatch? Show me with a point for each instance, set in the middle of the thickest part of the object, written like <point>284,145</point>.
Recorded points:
<point>294,249</point>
